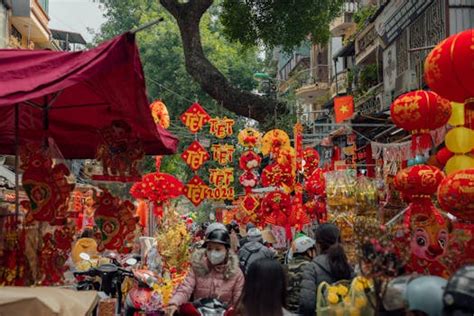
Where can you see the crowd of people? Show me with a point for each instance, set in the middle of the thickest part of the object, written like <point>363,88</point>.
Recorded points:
<point>247,274</point>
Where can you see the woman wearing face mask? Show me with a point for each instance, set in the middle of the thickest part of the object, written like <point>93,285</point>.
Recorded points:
<point>214,273</point>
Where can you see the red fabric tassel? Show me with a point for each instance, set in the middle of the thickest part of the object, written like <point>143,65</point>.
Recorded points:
<point>469,115</point>
<point>421,142</point>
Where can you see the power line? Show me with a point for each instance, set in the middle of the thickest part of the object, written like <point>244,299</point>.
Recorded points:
<point>168,89</point>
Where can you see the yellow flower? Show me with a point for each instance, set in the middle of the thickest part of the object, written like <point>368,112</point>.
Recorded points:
<point>347,300</point>
<point>360,302</point>
<point>358,286</point>
<point>333,298</point>
<point>342,290</point>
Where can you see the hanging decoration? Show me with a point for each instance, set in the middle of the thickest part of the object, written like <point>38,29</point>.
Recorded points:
<point>249,137</point>
<point>456,194</point>
<point>249,160</point>
<point>13,262</point>
<point>221,179</point>
<point>419,112</point>
<point>160,114</point>
<point>46,186</point>
<point>120,153</point>
<point>279,176</point>
<point>249,180</point>
<point>459,142</point>
<point>427,228</point>
<point>196,190</point>
<point>448,71</point>
<point>310,161</point>
<point>221,127</point>
<point>158,188</point>
<point>273,141</point>
<point>195,156</point>
<point>116,222</point>
<point>222,153</point>
<point>195,118</point>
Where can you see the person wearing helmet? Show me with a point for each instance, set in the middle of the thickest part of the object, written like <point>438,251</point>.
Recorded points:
<point>424,296</point>
<point>245,239</point>
<point>458,295</point>
<point>303,251</point>
<point>253,249</point>
<point>214,273</point>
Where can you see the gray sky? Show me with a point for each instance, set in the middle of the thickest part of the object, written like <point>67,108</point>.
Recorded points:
<point>75,16</point>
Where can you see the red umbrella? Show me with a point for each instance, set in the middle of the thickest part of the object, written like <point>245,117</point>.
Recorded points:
<point>71,95</point>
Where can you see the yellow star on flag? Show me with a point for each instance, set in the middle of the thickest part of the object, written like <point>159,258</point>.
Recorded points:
<point>344,109</point>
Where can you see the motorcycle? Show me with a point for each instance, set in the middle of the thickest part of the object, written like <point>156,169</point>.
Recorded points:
<point>206,307</point>
<point>111,277</point>
<point>142,299</point>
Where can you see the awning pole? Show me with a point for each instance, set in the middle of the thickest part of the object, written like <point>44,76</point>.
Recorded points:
<point>147,25</point>
<point>17,161</point>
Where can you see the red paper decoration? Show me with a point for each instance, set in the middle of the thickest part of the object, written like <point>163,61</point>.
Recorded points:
<point>456,194</point>
<point>248,180</point>
<point>195,118</point>
<point>275,202</point>
<point>221,127</point>
<point>418,112</point>
<point>196,190</point>
<point>311,161</point>
<point>316,183</point>
<point>160,114</point>
<point>249,160</point>
<point>278,175</point>
<point>116,222</point>
<point>46,186</point>
<point>120,152</point>
<point>195,155</point>
<point>222,153</point>
<point>250,203</point>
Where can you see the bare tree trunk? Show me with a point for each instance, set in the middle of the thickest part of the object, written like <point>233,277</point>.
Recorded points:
<point>212,81</point>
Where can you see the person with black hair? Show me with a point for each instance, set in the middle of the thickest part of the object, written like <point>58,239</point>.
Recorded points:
<point>329,266</point>
<point>265,290</point>
<point>214,273</point>
<point>458,296</point>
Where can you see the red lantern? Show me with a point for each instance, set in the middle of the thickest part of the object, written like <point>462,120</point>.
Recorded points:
<point>456,194</point>
<point>419,112</point>
<point>420,181</point>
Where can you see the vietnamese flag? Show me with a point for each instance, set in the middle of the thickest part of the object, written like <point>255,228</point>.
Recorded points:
<point>343,108</point>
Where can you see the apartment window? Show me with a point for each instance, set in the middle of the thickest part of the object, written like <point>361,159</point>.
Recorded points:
<point>45,5</point>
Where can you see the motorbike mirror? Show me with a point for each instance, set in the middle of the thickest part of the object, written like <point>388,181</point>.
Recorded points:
<point>84,256</point>
<point>131,261</point>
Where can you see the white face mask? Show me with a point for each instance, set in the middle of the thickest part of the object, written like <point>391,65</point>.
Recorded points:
<point>216,257</point>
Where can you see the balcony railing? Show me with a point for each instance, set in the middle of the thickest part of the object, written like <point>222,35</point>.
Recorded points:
<point>345,20</point>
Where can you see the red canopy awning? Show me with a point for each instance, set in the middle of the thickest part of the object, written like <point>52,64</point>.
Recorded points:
<point>86,91</point>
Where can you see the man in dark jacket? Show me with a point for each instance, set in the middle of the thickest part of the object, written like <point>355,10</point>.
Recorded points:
<point>253,249</point>
<point>303,252</point>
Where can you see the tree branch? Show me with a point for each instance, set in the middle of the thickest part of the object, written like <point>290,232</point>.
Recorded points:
<point>211,80</point>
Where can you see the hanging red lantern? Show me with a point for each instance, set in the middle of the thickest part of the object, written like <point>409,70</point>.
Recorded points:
<point>449,71</point>
<point>420,181</point>
<point>419,112</point>
<point>456,194</point>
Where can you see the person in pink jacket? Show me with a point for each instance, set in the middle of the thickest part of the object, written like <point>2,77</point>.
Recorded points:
<point>215,273</point>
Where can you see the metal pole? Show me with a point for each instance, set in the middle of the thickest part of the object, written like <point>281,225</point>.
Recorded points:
<point>17,161</point>
<point>147,25</point>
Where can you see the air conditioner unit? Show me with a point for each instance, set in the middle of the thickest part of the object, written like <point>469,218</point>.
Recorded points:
<point>406,81</point>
